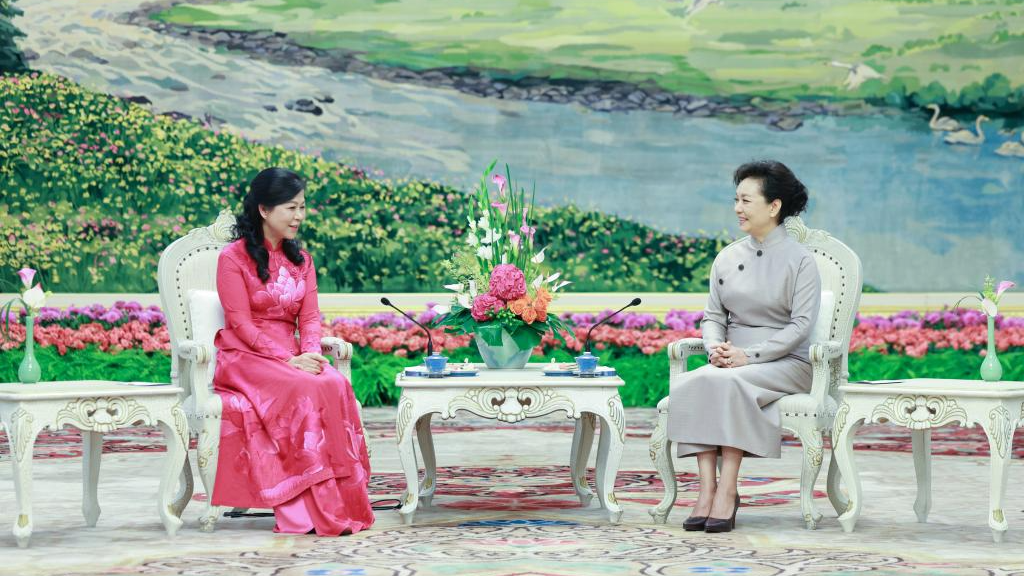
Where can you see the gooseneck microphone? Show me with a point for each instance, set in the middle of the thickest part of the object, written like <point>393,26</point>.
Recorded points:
<point>430,341</point>
<point>586,343</point>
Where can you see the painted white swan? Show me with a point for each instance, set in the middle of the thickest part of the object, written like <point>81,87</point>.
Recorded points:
<point>945,124</point>
<point>966,136</point>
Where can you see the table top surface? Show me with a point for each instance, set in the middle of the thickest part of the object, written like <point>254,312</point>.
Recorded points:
<point>83,389</point>
<point>532,375</point>
<point>936,386</point>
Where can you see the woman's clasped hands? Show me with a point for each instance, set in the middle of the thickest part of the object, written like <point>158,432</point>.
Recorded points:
<point>309,362</point>
<point>725,355</point>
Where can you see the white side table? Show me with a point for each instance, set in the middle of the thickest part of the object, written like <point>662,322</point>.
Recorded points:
<point>513,396</point>
<point>923,404</point>
<point>95,407</point>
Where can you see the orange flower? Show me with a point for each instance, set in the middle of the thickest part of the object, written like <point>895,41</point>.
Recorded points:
<point>544,296</point>
<point>529,315</point>
<point>520,305</point>
<point>541,308</point>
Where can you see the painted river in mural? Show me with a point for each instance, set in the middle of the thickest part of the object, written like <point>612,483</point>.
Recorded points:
<point>923,215</point>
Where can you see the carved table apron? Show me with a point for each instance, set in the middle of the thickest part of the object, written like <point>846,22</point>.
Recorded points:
<point>95,407</point>
<point>923,404</point>
<point>513,396</point>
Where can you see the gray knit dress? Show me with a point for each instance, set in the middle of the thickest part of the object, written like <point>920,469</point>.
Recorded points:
<point>764,299</point>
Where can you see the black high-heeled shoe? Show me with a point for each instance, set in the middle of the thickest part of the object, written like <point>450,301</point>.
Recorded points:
<point>694,523</point>
<point>723,524</point>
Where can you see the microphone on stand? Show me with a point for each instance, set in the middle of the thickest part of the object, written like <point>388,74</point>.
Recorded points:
<point>586,346</point>
<point>430,341</point>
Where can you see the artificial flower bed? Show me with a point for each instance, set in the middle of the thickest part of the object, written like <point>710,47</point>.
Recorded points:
<point>130,342</point>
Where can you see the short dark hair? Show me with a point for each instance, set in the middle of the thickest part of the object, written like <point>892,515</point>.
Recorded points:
<point>777,183</point>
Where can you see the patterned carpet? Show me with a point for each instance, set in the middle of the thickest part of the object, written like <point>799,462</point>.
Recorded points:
<point>533,547</point>
<point>946,441</point>
<point>526,520</point>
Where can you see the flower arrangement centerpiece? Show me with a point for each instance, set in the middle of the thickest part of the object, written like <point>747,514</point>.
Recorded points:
<point>32,299</point>
<point>502,291</point>
<point>991,369</point>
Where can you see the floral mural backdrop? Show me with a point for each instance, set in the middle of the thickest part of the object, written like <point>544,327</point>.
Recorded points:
<point>124,123</point>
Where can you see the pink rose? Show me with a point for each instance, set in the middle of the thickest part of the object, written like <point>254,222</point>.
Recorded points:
<point>508,282</point>
<point>483,304</point>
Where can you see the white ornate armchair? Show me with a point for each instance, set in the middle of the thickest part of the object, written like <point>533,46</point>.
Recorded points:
<point>187,279</point>
<point>808,416</point>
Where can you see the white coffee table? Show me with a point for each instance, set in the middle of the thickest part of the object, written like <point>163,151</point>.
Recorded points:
<point>513,396</point>
<point>923,404</point>
<point>94,407</point>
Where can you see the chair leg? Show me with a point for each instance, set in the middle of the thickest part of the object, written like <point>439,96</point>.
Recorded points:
<point>835,495</point>
<point>811,439</point>
<point>208,450</point>
<point>661,455</point>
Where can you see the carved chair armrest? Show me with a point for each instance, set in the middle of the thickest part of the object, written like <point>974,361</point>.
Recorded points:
<point>340,351</point>
<point>680,350</point>
<point>197,358</point>
<point>825,362</point>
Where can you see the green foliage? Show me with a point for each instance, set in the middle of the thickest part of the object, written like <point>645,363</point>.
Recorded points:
<point>92,188</point>
<point>11,58</point>
<point>994,94</point>
<point>373,373</point>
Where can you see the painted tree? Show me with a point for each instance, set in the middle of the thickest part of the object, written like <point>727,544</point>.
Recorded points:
<point>11,58</point>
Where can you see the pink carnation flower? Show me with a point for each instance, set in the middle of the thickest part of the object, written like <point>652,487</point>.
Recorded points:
<point>508,282</point>
<point>483,304</point>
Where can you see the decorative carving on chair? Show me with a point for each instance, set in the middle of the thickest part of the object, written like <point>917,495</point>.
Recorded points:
<point>222,229</point>
<point>21,433</point>
<point>1000,429</point>
<point>920,412</point>
<point>103,414</point>
<point>511,404</point>
<point>840,421</point>
<point>795,227</point>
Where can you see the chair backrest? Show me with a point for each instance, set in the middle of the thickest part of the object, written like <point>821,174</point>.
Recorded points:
<point>188,264</point>
<point>842,275</point>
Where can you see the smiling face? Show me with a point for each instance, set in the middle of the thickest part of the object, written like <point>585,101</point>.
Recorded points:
<point>756,215</point>
<point>282,222</point>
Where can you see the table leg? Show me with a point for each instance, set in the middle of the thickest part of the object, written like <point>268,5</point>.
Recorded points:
<point>426,442</point>
<point>922,447</point>
<point>92,450</point>
<point>999,428</point>
<point>21,434</point>
<point>842,436</point>
<point>582,442</point>
<point>609,453</point>
<point>405,427</point>
<point>175,429</point>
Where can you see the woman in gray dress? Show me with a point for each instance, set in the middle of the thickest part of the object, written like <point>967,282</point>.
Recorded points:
<point>765,293</point>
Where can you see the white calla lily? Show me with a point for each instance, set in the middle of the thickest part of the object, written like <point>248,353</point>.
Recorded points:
<point>539,257</point>
<point>485,252</point>
<point>552,278</point>
<point>537,281</point>
<point>441,309</point>
<point>561,284</point>
<point>34,298</point>
<point>989,307</point>
<point>453,287</point>
<point>464,301</point>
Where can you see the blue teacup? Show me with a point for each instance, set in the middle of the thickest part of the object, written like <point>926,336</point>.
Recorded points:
<point>587,363</point>
<point>435,365</point>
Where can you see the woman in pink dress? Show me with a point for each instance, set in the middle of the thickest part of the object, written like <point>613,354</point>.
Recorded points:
<point>291,438</point>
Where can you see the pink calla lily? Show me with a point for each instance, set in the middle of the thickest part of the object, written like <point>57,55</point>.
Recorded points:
<point>500,181</point>
<point>1003,287</point>
<point>501,206</point>
<point>26,275</point>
